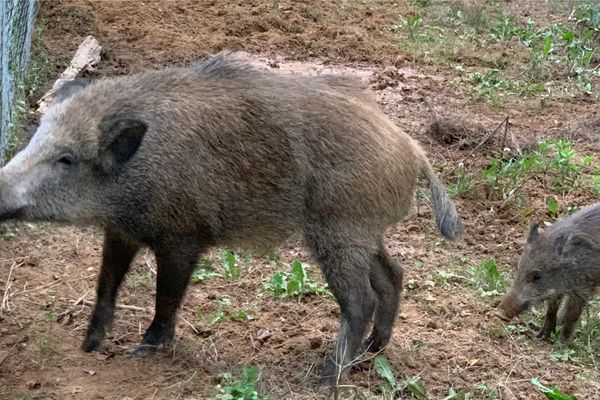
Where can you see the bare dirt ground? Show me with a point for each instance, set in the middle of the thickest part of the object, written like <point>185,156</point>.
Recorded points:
<point>446,334</point>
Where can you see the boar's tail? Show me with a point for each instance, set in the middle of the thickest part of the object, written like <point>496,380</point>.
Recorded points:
<point>447,219</point>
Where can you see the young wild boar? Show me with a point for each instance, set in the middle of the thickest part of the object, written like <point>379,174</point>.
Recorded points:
<point>559,263</point>
<point>220,154</point>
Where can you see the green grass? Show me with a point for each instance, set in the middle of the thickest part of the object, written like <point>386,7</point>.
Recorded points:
<point>554,164</point>
<point>475,40</point>
<point>485,278</point>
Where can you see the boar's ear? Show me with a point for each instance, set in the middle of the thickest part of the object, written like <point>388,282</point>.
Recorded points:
<point>120,138</point>
<point>534,233</point>
<point>572,243</point>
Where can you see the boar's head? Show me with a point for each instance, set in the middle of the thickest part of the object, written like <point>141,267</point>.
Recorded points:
<point>77,152</point>
<point>553,263</point>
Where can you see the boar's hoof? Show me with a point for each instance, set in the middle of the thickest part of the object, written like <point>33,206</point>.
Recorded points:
<point>326,388</point>
<point>144,350</point>
<point>545,334</point>
<point>91,343</point>
<point>566,338</point>
<point>372,345</point>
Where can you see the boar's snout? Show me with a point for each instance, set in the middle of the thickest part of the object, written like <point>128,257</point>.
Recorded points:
<point>500,314</point>
<point>510,307</point>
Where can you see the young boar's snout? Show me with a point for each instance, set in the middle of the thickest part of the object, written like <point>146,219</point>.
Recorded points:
<point>510,307</point>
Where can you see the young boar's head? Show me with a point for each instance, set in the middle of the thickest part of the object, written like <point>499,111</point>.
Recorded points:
<point>63,173</point>
<point>552,264</point>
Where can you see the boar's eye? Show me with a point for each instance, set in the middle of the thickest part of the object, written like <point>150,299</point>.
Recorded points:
<point>67,159</point>
<point>536,276</point>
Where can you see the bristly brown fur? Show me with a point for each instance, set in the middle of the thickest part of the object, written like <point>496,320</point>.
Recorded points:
<point>220,153</point>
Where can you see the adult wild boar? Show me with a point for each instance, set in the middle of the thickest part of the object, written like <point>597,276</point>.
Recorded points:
<point>222,154</point>
<point>559,264</point>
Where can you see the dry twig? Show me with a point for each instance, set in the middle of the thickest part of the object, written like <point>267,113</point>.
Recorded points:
<point>121,306</point>
<point>87,55</point>
<point>5,298</point>
<point>481,143</point>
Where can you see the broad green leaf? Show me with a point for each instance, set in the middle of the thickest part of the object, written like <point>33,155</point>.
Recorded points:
<point>552,393</point>
<point>385,371</point>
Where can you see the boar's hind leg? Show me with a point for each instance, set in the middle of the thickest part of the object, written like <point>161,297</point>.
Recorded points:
<point>386,280</point>
<point>117,255</point>
<point>573,308</point>
<point>346,270</point>
<point>176,260</point>
<point>550,320</point>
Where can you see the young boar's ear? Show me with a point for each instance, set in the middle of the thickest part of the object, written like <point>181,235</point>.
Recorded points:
<point>572,243</point>
<point>534,233</point>
<point>120,138</point>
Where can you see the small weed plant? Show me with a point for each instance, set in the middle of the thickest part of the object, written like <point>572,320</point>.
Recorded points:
<point>553,207</point>
<point>221,312</point>
<point>462,183</point>
<point>240,388</point>
<point>391,388</point>
<point>488,279</point>
<point>294,283</point>
<point>204,271</point>
<point>551,393</point>
<point>229,261</point>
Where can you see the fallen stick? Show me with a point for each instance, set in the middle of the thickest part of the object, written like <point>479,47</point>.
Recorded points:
<point>5,298</point>
<point>121,306</point>
<point>9,352</point>
<point>85,58</point>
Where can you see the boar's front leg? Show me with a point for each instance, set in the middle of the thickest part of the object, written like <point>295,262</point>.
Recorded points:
<point>176,259</point>
<point>117,255</point>
<point>573,308</point>
<point>550,320</point>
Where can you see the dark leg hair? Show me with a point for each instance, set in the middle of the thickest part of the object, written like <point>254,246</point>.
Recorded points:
<point>346,269</point>
<point>118,252</point>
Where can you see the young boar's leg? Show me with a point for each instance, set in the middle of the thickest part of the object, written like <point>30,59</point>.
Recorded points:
<point>386,279</point>
<point>117,255</point>
<point>346,270</point>
<point>176,260</point>
<point>550,320</point>
<point>573,308</point>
